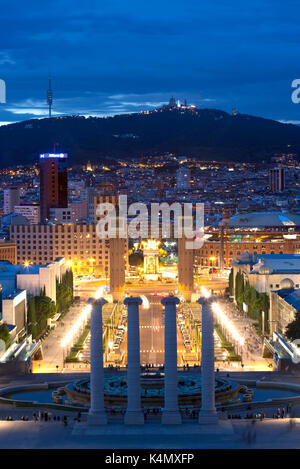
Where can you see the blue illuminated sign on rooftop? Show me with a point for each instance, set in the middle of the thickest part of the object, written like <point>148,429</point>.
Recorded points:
<point>53,155</point>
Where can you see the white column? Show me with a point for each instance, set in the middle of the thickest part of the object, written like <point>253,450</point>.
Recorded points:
<point>97,414</point>
<point>207,414</point>
<point>133,415</point>
<point>171,414</point>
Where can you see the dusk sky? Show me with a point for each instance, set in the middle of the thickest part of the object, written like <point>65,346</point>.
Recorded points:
<point>116,56</point>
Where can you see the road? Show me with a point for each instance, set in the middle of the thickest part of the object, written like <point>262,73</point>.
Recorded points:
<point>152,332</point>
<point>53,352</point>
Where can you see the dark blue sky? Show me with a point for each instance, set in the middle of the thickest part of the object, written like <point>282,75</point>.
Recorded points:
<point>115,56</point>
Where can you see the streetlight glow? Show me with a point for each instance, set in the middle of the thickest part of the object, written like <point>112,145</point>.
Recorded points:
<point>74,329</point>
<point>146,304</point>
<point>205,292</point>
<point>223,319</point>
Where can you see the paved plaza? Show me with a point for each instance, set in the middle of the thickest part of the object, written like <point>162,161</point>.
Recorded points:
<point>228,435</point>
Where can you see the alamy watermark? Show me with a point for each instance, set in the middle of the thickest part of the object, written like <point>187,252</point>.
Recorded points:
<point>2,91</point>
<point>135,221</point>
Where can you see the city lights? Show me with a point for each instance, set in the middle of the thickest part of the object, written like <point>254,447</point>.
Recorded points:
<point>99,293</point>
<point>205,292</point>
<point>67,340</point>
<point>223,319</point>
<point>146,304</point>
<point>81,320</point>
<point>227,324</point>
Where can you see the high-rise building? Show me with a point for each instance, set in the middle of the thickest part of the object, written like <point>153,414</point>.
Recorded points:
<point>183,178</point>
<point>53,183</point>
<point>11,198</point>
<point>277,179</point>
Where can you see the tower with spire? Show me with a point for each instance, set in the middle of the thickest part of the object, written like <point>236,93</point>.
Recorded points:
<point>50,97</point>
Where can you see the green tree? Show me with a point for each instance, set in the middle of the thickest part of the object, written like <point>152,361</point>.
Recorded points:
<point>293,328</point>
<point>63,296</point>
<point>136,259</point>
<point>45,307</point>
<point>231,282</point>
<point>4,334</point>
<point>239,288</point>
<point>31,317</point>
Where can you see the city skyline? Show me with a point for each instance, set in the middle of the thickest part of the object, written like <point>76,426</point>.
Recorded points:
<point>149,228</point>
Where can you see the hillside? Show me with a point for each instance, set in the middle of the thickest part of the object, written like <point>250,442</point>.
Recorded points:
<point>207,134</point>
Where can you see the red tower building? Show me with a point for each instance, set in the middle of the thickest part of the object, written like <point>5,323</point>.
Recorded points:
<point>53,182</point>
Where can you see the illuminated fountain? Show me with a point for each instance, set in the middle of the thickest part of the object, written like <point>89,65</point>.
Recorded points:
<point>151,259</point>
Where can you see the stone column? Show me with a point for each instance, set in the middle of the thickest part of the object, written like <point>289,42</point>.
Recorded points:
<point>133,415</point>
<point>97,414</point>
<point>208,414</point>
<point>171,414</point>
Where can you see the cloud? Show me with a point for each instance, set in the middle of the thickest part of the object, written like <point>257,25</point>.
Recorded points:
<point>114,56</point>
<point>6,59</point>
<point>6,123</point>
<point>295,122</point>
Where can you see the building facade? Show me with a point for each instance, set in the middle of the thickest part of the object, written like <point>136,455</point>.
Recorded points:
<point>8,252</point>
<point>31,212</point>
<point>11,198</point>
<point>277,179</point>
<point>53,183</point>
<point>78,244</point>
<point>284,305</point>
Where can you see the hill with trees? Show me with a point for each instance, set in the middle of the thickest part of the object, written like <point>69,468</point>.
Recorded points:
<point>206,134</point>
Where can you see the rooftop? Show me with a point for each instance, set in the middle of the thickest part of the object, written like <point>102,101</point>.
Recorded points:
<point>277,263</point>
<point>291,297</point>
<point>263,219</point>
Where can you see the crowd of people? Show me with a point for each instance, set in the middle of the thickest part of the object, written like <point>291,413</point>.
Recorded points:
<point>43,417</point>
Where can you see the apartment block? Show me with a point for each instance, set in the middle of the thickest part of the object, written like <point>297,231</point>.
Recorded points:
<point>78,244</point>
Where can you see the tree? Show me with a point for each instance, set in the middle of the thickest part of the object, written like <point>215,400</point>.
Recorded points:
<point>136,259</point>
<point>4,334</point>
<point>45,307</point>
<point>231,282</point>
<point>293,328</point>
<point>63,296</point>
<point>31,317</point>
<point>239,288</point>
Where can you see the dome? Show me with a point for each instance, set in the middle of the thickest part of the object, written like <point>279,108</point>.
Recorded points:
<point>265,269</point>
<point>287,284</point>
<point>245,256</point>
